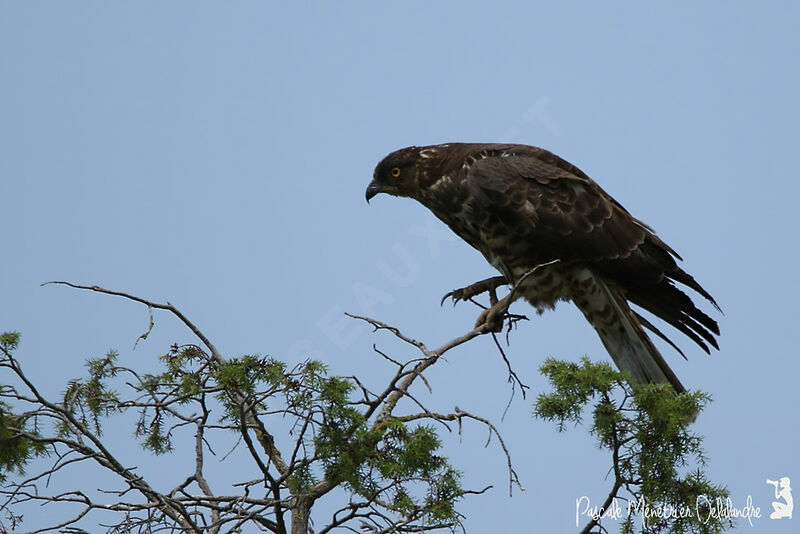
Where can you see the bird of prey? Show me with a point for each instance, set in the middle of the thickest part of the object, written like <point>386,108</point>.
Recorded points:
<point>554,234</point>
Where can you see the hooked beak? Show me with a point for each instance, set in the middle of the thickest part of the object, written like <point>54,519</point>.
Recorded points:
<point>372,190</point>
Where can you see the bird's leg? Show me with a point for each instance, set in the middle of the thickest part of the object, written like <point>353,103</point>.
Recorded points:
<point>489,285</point>
<point>493,317</point>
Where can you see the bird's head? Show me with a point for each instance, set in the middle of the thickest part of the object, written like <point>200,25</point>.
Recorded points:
<point>402,173</point>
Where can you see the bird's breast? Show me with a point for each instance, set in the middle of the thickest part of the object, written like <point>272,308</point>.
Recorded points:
<point>508,251</point>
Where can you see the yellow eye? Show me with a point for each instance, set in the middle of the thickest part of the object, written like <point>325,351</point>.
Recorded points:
<point>396,172</point>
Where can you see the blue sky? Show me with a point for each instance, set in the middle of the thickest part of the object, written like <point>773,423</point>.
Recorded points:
<point>215,156</point>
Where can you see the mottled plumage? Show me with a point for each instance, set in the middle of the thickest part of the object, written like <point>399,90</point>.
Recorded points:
<point>523,207</point>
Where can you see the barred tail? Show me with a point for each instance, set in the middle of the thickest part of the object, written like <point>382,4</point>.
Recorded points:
<point>622,332</point>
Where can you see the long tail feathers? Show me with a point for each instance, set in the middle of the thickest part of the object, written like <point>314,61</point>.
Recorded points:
<point>622,333</point>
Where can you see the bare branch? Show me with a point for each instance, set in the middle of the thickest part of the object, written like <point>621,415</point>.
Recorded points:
<point>164,405</point>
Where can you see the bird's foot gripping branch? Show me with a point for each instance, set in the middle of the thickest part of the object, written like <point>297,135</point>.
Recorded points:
<point>301,433</point>
<point>297,431</point>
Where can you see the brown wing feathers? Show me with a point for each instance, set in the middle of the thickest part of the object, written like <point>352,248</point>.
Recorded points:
<point>673,306</point>
<point>523,207</point>
<point>571,218</point>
